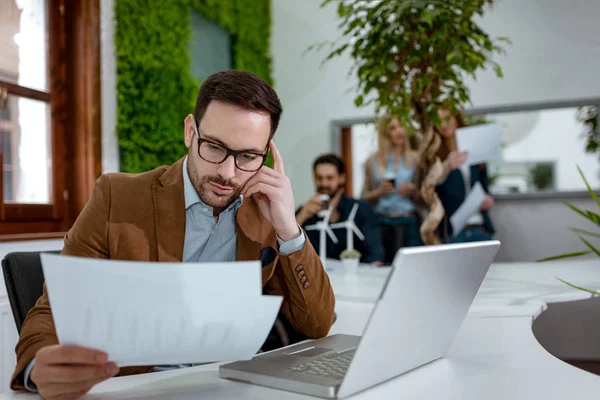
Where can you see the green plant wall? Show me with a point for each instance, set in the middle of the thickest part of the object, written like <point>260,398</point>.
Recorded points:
<point>155,90</point>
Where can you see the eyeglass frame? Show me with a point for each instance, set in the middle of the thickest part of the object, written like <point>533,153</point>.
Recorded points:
<point>229,151</point>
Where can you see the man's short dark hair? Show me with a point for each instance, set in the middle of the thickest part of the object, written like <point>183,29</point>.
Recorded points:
<point>330,159</point>
<point>241,89</point>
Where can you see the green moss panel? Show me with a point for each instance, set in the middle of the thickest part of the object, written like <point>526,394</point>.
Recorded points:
<point>155,88</point>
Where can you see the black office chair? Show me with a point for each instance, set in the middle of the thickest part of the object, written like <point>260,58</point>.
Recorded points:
<point>24,280</point>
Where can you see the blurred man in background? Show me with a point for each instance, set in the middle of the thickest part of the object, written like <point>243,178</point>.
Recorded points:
<point>330,178</point>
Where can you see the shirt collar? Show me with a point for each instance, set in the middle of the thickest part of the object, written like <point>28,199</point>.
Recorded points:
<point>192,197</point>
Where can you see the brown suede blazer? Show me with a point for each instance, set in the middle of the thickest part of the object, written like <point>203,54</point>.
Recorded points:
<point>141,217</point>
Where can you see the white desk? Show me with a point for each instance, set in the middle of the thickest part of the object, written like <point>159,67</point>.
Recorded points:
<point>495,355</point>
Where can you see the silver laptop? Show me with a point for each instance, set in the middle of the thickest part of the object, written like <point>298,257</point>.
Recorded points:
<point>415,320</point>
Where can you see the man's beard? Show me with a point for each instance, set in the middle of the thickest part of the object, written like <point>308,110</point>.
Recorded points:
<point>202,186</point>
<point>327,190</point>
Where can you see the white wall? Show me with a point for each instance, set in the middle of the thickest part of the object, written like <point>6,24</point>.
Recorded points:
<point>312,96</point>
<point>110,145</point>
<point>530,229</point>
<point>555,53</point>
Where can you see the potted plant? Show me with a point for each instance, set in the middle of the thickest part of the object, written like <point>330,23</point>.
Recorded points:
<point>542,176</point>
<point>582,234</point>
<point>350,259</point>
<point>411,58</point>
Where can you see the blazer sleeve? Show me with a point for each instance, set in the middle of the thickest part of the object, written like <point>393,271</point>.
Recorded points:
<point>87,238</point>
<point>369,226</point>
<point>308,300</point>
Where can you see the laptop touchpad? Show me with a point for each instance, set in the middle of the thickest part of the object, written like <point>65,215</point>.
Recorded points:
<point>310,352</point>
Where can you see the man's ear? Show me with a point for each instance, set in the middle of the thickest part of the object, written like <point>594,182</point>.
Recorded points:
<point>189,124</point>
<point>343,179</point>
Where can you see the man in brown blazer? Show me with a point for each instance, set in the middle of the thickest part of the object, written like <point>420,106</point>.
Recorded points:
<point>219,203</point>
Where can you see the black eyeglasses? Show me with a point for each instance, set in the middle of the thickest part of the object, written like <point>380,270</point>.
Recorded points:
<point>215,153</point>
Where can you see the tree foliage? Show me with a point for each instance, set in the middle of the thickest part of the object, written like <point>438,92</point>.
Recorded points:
<point>411,58</point>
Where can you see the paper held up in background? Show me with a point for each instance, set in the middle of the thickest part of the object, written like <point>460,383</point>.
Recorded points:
<point>467,209</point>
<point>160,313</point>
<point>483,143</point>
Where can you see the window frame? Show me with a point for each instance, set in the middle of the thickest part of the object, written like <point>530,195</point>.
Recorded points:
<point>73,37</point>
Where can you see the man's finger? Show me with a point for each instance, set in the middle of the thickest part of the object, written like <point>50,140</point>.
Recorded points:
<point>261,188</point>
<point>74,373</point>
<point>71,355</point>
<point>258,178</point>
<point>271,172</point>
<point>277,160</point>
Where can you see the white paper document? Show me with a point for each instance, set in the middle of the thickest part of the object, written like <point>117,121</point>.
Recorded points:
<point>160,313</point>
<point>483,143</point>
<point>467,209</point>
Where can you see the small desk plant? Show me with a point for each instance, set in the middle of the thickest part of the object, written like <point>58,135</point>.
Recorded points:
<point>350,258</point>
<point>591,216</point>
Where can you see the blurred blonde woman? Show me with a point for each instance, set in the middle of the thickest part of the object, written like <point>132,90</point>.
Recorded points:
<point>390,188</point>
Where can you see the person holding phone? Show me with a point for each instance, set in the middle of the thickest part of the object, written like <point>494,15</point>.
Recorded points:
<point>330,178</point>
<point>389,186</point>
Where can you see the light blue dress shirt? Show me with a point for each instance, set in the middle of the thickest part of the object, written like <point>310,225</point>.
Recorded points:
<point>207,239</point>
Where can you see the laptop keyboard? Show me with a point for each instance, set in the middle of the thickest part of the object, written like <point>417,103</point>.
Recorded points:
<point>334,366</point>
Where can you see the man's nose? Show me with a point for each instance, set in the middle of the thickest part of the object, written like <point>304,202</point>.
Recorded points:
<point>227,168</point>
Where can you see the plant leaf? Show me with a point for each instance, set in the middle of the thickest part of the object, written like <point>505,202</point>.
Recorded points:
<point>577,210</point>
<point>584,232</point>
<point>588,244</point>
<point>498,71</point>
<point>505,39</point>
<point>358,101</point>
<point>595,218</point>
<point>578,287</point>
<point>427,18</point>
<point>589,188</point>
<point>566,255</point>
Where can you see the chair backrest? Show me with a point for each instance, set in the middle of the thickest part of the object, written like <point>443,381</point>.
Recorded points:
<point>24,280</point>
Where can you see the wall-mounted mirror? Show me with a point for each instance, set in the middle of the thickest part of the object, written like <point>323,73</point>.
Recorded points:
<point>541,149</point>
<point>542,145</point>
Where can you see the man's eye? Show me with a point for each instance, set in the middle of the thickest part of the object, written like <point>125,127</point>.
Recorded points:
<point>214,147</point>
<point>249,156</point>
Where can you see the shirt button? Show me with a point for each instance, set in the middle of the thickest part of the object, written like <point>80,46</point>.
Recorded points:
<point>304,279</point>
<point>301,274</point>
<point>299,268</point>
<point>306,285</point>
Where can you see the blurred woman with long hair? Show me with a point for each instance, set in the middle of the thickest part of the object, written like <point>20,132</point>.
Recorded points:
<point>389,186</point>
<point>457,183</point>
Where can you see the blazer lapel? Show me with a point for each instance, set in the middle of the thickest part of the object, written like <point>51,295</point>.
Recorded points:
<point>169,214</point>
<point>249,228</point>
